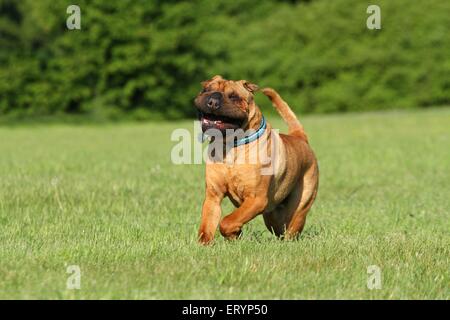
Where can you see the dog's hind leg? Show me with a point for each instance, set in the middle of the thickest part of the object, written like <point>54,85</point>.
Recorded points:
<point>308,194</point>
<point>277,220</point>
<point>289,217</point>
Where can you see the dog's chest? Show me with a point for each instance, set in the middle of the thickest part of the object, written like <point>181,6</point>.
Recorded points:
<point>233,180</point>
<point>237,185</point>
<point>240,179</point>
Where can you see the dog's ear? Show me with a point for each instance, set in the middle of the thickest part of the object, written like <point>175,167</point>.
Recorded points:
<point>216,77</point>
<point>249,86</point>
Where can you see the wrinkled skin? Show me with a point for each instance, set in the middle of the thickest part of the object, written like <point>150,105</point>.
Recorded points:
<point>285,195</point>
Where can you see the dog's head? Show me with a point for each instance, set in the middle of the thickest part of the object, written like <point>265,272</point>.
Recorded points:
<point>225,104</point>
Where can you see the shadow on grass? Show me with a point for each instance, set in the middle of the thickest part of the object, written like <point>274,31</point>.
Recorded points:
<point>262,236</point>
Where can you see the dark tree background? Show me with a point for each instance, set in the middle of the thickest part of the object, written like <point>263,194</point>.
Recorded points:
<point>145,59</point>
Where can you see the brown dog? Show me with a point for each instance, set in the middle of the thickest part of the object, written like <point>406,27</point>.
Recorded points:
<point>285,196</point>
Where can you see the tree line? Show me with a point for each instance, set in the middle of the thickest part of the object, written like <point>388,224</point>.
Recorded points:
<point>145,59</point>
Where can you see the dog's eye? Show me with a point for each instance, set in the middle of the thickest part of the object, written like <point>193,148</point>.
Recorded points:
<point>234,96</point>
<point>204,90</point>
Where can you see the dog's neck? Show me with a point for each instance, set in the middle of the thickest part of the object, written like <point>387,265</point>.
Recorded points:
<point>256,127</point>
<point>254,119</point>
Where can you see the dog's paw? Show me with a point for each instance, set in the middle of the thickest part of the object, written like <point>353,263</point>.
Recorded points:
<point>205,239</point>
<point>229,230</point>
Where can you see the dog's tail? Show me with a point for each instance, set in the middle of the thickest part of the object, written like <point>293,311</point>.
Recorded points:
<point>294,126</point>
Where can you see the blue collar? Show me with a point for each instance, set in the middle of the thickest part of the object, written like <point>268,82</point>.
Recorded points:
<point>255,135</point>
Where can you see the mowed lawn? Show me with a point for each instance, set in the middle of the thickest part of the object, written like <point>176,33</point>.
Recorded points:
<point>108,199</point>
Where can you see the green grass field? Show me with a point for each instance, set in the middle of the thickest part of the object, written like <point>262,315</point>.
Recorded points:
<point>108,199</point>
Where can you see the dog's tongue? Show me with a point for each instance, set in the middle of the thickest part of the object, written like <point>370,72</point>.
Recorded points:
<point>212,124</point>
<point>208,122</point>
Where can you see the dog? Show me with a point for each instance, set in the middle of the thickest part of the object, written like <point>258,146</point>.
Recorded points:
<point>284,196</point>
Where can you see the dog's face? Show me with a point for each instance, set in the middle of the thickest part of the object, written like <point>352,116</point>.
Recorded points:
<point>225,104</point>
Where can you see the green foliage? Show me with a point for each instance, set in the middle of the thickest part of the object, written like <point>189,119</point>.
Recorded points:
<point>143,59</point>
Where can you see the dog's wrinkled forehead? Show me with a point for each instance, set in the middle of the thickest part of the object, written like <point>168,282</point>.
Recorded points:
<point>241,87</point>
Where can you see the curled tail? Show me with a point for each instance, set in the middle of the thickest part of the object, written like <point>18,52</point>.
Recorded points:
<point>294,126</point>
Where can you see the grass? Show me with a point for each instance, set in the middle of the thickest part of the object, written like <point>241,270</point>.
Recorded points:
<point>108,199</point>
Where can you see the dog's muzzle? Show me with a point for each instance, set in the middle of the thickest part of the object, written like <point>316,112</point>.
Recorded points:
<point>214,101</point>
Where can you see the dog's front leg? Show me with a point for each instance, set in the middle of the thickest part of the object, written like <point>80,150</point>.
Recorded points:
<point>231,225</point>
<point>211,212</point>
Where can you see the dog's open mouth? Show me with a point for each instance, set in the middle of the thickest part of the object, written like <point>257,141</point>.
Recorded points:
<point>222,123</point>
